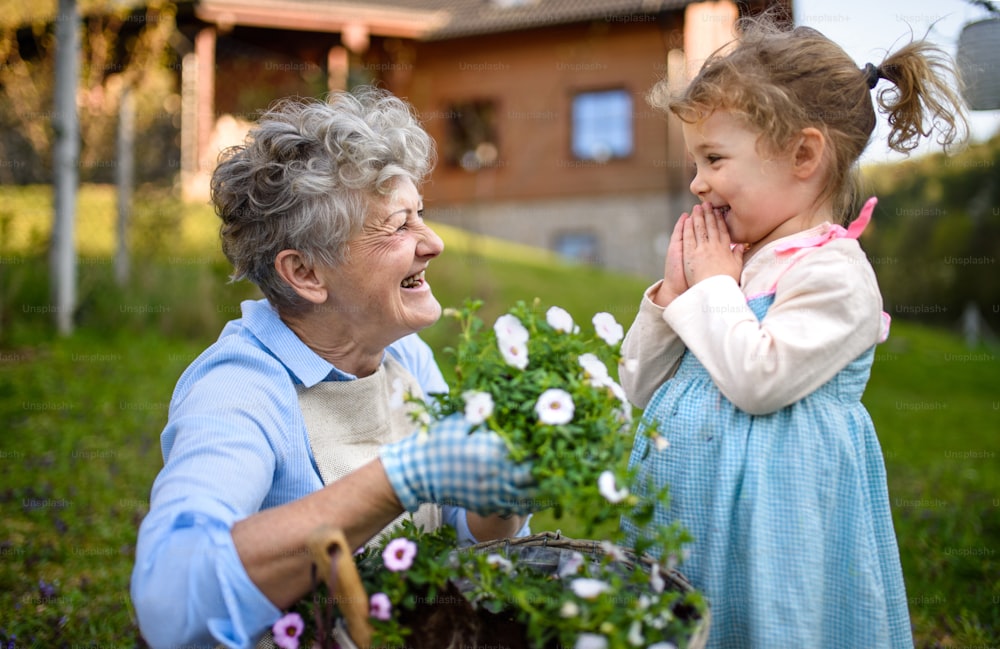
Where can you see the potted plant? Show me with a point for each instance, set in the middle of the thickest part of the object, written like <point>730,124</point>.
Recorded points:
<point>546,387</point>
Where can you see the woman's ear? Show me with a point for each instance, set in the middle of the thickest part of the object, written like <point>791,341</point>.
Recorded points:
<point>809,152</point>
<point>302,277</point>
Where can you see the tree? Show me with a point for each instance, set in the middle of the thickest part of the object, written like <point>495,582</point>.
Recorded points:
<point>121,47</point>
<point>63,92</point>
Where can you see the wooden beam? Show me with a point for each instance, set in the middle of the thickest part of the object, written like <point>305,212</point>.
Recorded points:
<point>330,18</point>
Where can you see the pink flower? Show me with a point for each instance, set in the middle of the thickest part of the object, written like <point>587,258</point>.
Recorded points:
<point>398,555</point>
<point>379,606</point>
<point>287,630</point>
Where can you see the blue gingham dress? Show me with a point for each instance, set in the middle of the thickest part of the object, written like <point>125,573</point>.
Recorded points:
<point>793,538</point>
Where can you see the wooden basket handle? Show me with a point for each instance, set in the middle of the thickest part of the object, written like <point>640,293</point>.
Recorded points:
<point>348,591</point>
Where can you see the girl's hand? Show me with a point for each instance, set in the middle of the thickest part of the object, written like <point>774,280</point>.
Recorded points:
<point>707,248</point>
<point>674,282</point>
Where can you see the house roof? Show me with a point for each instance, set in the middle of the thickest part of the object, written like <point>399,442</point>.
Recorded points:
<point>427,19</point>
<point>475,17</point>
<point>421,19</point>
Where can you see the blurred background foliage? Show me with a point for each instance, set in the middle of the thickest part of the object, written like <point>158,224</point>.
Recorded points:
<point>935,238</point>
<point>122,46</point>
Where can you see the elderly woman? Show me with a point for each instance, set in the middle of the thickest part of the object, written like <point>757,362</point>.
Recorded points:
<point>296,416</point>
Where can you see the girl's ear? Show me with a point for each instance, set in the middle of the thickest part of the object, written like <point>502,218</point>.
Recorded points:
<point>292,268</point>
<point>809,152</point>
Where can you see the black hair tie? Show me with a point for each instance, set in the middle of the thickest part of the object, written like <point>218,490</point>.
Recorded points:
<point>872,74</point>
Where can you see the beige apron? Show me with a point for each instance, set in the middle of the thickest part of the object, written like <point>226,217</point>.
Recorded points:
<point>347,421</point>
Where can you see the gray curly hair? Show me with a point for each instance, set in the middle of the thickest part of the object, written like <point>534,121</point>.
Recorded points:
<point>304,177</point>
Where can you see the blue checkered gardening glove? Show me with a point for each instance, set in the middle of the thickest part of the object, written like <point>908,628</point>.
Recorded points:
<point>448,466</point>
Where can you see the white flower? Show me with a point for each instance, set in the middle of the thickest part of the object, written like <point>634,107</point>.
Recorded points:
<point>613,551</point>
<point>673,560</point>
<point>398,396</point>
<point>478,406</point>
<point>631,364</point>
<point>606,485</point>
<point>555,407</point>
<point>591,641</point>
<point>559,319</point>
<point>635,637</point>
<point>660,622</point>
<point>588,588</point>
<point>509,328</point>
<point>656,580</point>
<point>514,352</point>
<point>660,442</point>
<point>572,565</point>
<point>422,419</point>
<point>663,645</point>
<point>616,390</point>
<point>499,561</point>
<point>569,609</point>
<point>594,368</point>
<point>608,328</point>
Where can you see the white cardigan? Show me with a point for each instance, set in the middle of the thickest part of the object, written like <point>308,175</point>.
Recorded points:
<point>826,312</point>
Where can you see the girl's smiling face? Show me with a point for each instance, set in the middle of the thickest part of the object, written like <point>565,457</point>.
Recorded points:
<point>754,192</point>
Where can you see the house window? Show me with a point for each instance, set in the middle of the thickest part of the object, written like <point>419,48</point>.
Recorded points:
<point>472,135</point>
<point>602,125</point>
<point>579,246</point>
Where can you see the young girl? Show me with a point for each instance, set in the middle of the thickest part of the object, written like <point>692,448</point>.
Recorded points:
<point>751,355</point>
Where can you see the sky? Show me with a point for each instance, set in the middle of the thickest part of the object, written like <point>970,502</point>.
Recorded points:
<point>866,29</point>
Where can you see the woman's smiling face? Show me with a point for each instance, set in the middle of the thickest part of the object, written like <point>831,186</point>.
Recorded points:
<point>380,288</point>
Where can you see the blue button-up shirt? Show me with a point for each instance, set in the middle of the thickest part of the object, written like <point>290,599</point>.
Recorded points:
<point>236,443</point>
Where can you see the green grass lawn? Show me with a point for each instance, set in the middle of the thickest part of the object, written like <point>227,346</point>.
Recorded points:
<point>81,417</point>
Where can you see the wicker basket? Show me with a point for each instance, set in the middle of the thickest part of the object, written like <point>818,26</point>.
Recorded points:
<point>547,552</point>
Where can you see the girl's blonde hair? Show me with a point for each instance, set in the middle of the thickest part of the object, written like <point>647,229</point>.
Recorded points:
<point>780,81</point>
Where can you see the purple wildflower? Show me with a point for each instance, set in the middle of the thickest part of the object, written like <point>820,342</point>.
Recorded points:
<point>287,630</point>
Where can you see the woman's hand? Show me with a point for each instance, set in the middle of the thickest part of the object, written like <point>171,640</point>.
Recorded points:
<point>450,466</point>
<point>708,251</point>
<point>674,281</point>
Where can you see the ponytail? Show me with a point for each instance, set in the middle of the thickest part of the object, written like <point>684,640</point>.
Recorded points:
<point>921,101</point>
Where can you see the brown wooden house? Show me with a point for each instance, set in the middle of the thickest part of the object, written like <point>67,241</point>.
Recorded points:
<point>537,106</point>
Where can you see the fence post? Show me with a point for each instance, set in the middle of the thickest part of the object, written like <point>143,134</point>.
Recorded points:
<point>66,154</point>
<point>124,176</point>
